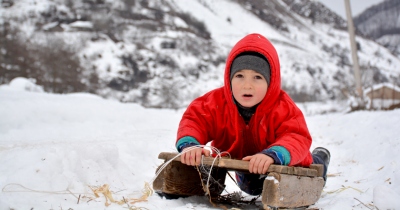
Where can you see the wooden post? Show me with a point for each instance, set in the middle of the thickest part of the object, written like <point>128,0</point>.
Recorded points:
<point>353,46</point>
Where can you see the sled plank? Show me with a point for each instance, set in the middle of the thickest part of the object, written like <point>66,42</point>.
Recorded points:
<point>288,191</point>
<point>314,170</point>
<point>183,180</point>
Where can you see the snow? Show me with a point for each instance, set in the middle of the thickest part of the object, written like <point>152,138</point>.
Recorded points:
<point>53,148</point>
<point>389,85</point>
<point>82,24</point>
<point>272,179</point>
<point>20,83</point>
<point>384,202</point>
<point>215,14</point>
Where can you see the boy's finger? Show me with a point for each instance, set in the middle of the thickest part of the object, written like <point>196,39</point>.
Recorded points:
<point>247,158</point>
<point>187,159</point>
<point>263,166</point>
<point>206,152</point>
<point>257,166</point>
<point>198,157</point>
<point>192,158</point>
<point>183,158</point>
<point>252,163</point>
<point>266,166</point>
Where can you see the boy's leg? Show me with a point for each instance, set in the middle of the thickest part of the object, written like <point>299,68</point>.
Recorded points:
<point>322,156</point>
<point>250,183</point>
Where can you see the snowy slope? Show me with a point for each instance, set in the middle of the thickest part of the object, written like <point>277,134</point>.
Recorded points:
<point>54,147</point>
<point>315,57</point>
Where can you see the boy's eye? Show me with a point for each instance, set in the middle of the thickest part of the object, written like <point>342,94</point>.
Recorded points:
<point>239,76</point>
<point>258,77</point>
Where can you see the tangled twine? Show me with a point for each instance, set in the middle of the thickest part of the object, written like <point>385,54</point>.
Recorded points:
<point>109,198</point>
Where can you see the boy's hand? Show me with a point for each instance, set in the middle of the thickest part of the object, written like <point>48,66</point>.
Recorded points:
<point>193,157</point>
<point>259,163</point>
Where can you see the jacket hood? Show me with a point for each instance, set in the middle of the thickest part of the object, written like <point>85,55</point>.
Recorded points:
<point>260,44</point>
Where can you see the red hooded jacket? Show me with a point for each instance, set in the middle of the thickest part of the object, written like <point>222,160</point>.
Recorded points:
<point>276,122</point>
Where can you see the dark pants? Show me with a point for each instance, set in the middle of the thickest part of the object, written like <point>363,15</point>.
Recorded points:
<point>252,184</point>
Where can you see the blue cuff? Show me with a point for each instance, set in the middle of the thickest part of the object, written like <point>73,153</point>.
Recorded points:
<point>280,155</point>
<point>186,141</point>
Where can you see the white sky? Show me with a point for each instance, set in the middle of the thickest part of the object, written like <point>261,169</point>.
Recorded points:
<point>357,6</point>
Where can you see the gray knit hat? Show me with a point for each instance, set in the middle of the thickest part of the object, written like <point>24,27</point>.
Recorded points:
<point>253,61</point>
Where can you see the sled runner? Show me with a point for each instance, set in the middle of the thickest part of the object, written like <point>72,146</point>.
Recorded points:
<point>284,186</point>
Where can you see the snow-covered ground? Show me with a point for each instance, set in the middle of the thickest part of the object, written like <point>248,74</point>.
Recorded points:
<point>55,148</point>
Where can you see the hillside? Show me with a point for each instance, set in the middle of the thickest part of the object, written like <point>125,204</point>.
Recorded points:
<point>382,23</point>
<point>165,53</point>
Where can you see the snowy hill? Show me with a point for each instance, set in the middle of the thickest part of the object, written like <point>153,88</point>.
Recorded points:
<point>165,53</point>
<point>55,148</point>
<point>374,23</point>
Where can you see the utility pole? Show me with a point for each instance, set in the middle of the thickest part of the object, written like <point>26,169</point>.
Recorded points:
<point>356,66</point>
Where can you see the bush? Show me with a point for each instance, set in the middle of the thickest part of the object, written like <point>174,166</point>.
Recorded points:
<point>54,64</point>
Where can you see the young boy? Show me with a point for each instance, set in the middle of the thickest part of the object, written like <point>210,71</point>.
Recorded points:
<point>250,117</point>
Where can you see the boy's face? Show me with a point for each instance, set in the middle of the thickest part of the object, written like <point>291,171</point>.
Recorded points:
<point>248,87</point>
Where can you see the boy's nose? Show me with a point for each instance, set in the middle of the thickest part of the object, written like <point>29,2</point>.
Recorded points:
<point>247,85</point>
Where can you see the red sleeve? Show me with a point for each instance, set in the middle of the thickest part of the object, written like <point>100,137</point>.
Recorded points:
<point>197,121</point>
<point>291,132</point>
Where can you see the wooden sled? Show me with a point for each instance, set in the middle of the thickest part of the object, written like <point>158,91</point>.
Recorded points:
<point>284,186</point>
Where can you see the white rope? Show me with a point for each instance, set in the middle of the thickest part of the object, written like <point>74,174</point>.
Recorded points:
<point>214,149</point>
<point>218,156</point>
<point>12,187</point>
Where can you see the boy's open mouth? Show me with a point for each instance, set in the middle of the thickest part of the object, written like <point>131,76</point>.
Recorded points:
<point>247,95</point>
